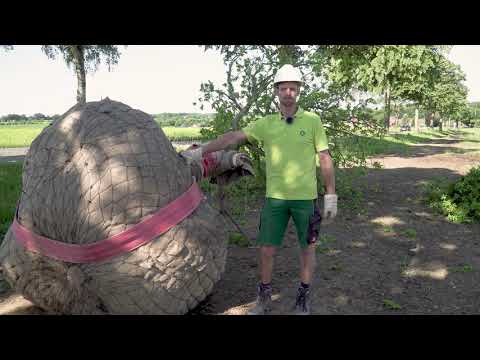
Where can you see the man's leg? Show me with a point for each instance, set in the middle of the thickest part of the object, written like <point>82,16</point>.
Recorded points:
<point>307,264</point>
<point>274,220</point>
<point>302,213</point>
<point>266,263</point>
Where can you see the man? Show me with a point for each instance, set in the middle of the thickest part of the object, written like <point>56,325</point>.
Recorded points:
<point>291,140</point>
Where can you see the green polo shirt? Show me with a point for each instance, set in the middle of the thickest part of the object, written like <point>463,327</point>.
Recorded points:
<point>291,153</point>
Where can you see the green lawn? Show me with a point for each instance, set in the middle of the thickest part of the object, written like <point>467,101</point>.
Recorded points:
<point>401,143</point>
<point>10,188</point>
<point>22,135</point>
<point>19,135</point>
<point>179,134</point>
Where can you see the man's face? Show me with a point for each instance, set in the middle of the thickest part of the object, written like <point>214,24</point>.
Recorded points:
<point>287,93</point>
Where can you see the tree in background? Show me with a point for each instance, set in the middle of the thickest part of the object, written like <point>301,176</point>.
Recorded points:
<point>394,71</point>
<point>248,94</point>
<point>84,58</point>
<point>445,94</point>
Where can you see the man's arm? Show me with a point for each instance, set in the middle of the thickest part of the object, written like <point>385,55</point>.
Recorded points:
<point>224,141</point>
<point>330,198</point>
<point>328,172</point>
<point>220,143</point>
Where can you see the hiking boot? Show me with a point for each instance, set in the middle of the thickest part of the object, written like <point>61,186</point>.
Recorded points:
<point>302,303</point>
<point>263,303</point>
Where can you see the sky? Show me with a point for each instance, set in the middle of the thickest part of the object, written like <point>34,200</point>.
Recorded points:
<point>152,78</point>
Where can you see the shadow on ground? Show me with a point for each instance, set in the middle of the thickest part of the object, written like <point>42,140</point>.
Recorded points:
<point>393,256</point>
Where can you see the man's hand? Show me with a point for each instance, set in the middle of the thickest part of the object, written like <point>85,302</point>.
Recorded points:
<point>329,208</point>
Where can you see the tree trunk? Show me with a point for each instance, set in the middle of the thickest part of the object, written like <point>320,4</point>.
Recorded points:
<point>77,51</point>
<point>417,127</point>
<point>456,124</point>
<point>440,125</point>
<point>386,118</point>
<point>428,118</point>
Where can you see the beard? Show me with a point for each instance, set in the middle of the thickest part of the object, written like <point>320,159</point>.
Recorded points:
<point>289,101</point>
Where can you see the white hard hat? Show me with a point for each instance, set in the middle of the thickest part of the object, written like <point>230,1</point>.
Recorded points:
<point>288,73</point>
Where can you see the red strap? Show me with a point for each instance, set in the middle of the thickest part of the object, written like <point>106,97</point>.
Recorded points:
<point>136,236</point>
<point>209,162</point>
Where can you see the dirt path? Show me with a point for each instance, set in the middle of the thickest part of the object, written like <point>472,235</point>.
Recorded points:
<point>369,259</point>
<point>12,155</point>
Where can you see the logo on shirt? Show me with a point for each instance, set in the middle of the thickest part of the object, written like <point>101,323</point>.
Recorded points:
<point>302,133</point>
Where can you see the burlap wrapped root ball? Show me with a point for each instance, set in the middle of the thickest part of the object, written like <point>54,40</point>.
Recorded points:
<point>92,174</point>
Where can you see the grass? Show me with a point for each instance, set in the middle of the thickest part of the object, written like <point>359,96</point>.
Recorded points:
<point>323,241</point>
<point>410,233</point>
<point>12,136</point>
<point>462,269</point>
<point>19,135</point>
<point>10,188</point>
<point>388,229</point>
<point>238,239</point>
<point>391,305</point>
<point>402,143</point>
<point>182,134</point>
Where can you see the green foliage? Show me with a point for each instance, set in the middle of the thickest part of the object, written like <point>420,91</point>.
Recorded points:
<point>93,55</point>
<point>10,188</point>
<point>182,119</point>
<point>388,229</point>
<point>323,243</point>
<point>394,70</point>
<point>462,269</point>
<point>459,201</point>
<point>248,94</point>
<point>465,193</point>
<point>238,239</point>
<point>391,305</point>
<point>410,233</point>
<point>351,196</point>
<point>240,194</point>
<point>183,134</point>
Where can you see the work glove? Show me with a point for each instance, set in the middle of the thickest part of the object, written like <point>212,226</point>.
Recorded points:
<point>329,208</point>
<point>232,166</point>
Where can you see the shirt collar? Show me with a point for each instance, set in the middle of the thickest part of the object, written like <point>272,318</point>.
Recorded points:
<point>300,111</point>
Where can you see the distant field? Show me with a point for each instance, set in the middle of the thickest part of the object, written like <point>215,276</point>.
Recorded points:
<point>19,135</point>
<point>22,135</point>
<point>179,134</point>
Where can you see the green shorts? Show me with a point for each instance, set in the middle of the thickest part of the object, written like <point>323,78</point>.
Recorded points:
<point>275,216</point>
